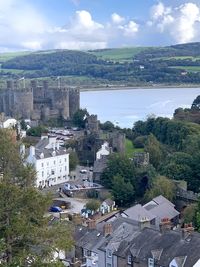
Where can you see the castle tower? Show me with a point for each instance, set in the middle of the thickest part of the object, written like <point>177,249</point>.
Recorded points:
<point>74,101</point>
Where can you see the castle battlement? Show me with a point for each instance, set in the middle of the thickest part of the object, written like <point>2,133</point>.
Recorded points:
<point>21,100</point>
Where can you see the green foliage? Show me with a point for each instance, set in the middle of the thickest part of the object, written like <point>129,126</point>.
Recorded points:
<point>155,150</point>
<point>123,192</point>
<point>161,186</point>
<point>25,232</point>
<point>139,141</point>
<point>189,213</point>
<point>118,165</point>
<point>107,126</point>
<point>92,193</point>
<point>178,166</point>
<point>23,125</point>
<point>73,160</point>
<point>37,131</point>
<point>93,204</point>
<point>79,118</point>
<point>162,65</point>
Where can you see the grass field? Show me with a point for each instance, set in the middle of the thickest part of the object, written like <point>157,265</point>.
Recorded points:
<point>118,54</point>
<point>188,68</point>
<point>6,56</point>
<point>177,58</point>
<point>130,149</point>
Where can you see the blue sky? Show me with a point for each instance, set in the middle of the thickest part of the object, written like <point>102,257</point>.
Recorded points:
<point>95,24</point>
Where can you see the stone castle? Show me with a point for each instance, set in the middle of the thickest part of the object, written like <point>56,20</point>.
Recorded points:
<point>38,102</point>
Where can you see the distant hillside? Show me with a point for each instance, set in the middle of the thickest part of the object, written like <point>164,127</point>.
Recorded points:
<point>136,66</point>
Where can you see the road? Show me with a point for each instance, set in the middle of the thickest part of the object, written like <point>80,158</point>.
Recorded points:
<point>77,204</point>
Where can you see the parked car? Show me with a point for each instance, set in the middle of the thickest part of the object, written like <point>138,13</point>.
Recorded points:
<point>83,171</point>
<point>55,209</point>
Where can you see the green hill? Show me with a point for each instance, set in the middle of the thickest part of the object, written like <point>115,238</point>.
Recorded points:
<point>133,66</point>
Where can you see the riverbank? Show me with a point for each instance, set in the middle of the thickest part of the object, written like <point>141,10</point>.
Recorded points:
<point>154,86</point>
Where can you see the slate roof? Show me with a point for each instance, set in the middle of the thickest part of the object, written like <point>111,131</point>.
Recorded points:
<point>164,210</point>
<point>161,208</point>
<point>170,244</point>
<point>128,239</point>
<point>89,239</point>
<point>40,148</point>
<point>138,213</point>
<point>109,202</point>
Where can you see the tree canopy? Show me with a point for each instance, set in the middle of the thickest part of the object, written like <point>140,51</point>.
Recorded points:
<point>26,234</point>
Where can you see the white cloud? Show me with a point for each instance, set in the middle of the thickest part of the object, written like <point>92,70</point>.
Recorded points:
<point>80,45</point>
<point>22,26</point>
<point>179,22</point>
<point>130,29</point>
<point>117,19</point>
<point>33,45</point>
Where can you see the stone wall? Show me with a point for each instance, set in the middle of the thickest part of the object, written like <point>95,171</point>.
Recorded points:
<point>38,102</point>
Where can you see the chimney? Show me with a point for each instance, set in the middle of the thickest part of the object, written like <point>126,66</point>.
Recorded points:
<point>91,224</point>
<point>144,222</point>
<point>32,151</point>
<point>165,225</point>
<point>186,230</point>
<point>107,229</point>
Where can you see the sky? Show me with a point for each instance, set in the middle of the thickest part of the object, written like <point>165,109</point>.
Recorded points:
<point>96,24</point>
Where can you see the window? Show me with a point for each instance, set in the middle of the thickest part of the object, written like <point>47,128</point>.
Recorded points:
<point>65,160</point>
<point>42,164</point>
<point>54,162</point>
<point>52,172</point>
<point>60,169</point>
<point>108,265</point>
<point>129,259</point>
<point>109,253</point>
<point>42,173</point>
<point>65,168</point>
<point>86,253</point>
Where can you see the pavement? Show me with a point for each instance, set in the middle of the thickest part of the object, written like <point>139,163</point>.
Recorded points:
<point>77,204</point>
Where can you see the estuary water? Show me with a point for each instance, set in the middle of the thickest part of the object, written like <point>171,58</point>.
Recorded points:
<point>124,107</point>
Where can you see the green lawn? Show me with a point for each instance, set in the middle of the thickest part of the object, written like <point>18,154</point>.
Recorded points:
<point>130,149</point>
<point>118,54</point>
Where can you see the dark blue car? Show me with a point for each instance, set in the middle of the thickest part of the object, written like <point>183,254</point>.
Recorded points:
<point>55,209</point>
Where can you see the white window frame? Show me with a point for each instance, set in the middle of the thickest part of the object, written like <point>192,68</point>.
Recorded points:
<point>129,259</point>
<point>109,253</point>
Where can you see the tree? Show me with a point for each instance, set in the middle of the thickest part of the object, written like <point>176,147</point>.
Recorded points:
<point>73,160</point>
<point>79,118</point>
<point>93,205</point>
<point>189,213</point>
<point>25,233</point>
<point>23,125</point>
<point>196,104</point>
<point>153,146</point>
<point>123,192</point>
<point>107,126</point>
<point>37,131</point>
<point>118,164</point>
<point>161,185</point>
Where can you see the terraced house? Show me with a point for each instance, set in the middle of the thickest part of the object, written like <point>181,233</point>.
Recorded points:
<point>124,243</point>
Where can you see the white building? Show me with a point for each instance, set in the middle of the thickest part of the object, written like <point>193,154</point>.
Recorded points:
<point>51,162</point>
<point>103,151</point>
<point>8,123</point>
